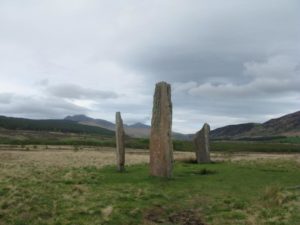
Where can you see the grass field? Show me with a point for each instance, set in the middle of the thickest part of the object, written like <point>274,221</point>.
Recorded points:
<point>25,138</point>
<point>62,185</point>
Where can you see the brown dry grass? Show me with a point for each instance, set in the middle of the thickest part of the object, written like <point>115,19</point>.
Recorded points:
<point>68,156</point>
<point>256,156</point>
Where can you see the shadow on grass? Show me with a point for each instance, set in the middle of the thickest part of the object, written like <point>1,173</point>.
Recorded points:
<point>194,161</point>
<point>204,171</point>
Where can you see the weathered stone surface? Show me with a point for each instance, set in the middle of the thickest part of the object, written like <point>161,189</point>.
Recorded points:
<point>120,142</point>
<point>202,144</point>
<point>161,147</point>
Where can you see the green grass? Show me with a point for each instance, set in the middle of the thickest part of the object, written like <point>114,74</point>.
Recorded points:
<point>19,137</point>
<point>262,192</point>
<point>295,140</point>
<point>139,143</point>
<point>242,146</point>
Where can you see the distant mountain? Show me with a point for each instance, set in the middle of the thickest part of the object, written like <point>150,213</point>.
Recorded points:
<point>288,125</point>
<point>138,130</point>
<point>83,119</point>
<point>135,130</point>
<point>12,123</point>
<point>139,125</point>
<point>233,130</point>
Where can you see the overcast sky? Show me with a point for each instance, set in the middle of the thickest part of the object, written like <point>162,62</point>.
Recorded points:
<point>228,61</point>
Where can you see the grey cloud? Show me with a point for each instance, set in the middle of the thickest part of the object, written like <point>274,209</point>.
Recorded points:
<point>34,107</point>
<point>272,89</point>
<point>228,61</point>
<point>196,111</point>
<point>71,91</point>
<point>214,45</point>
<point>132,112</point>
<point>276,76</point>
<point>5,98</point>
<point>42,82</point>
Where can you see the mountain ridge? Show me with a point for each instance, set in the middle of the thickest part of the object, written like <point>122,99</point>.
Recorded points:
<point>286,125</point>
<point>54,125</point>
<point>137,130</point>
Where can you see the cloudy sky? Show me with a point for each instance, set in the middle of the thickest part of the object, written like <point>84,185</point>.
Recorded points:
<point>228,61</point>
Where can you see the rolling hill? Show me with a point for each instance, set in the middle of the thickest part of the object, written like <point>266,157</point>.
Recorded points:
<point>12,123</point>
<point>287,125</point>
<point>137,130</point>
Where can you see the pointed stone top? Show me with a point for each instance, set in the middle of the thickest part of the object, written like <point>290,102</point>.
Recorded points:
<point>162,87</point>
<point>206,125</point>
<point>162,83</point>
<point>118,116</point>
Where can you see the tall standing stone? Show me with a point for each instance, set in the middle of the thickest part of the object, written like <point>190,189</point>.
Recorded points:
<point>161,148</point>
<point>120,142</point>
<point>202,144</point>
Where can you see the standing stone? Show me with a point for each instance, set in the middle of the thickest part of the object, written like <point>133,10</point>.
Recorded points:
<point>161,148</point>
<point>202,144</point>
<point>120,143</point>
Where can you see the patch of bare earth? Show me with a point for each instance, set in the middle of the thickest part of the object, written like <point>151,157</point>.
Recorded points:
<point>158,215</point>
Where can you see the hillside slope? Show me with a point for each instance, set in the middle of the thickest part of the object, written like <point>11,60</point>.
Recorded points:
<point>287,125</point>
<point>233,130</point>
<point>83,119</point>
<point>51,125</point>
<point>137,130</point>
